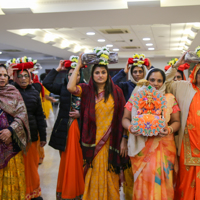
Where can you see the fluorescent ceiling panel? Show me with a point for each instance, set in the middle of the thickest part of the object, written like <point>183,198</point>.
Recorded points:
<point>171,3</point>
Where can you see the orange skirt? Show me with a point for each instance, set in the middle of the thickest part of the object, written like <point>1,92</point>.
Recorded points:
<point>31,160</point>
<point>40,151</point>
<point>70,177</point>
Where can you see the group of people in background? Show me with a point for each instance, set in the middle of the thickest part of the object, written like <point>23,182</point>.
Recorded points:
<point>99,148</point>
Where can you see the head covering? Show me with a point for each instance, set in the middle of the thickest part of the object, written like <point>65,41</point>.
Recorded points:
<point>183,67</point>
<point>138,60</point>
<point>88,126</point>
<point>193,75</point>
<point>13,104</point>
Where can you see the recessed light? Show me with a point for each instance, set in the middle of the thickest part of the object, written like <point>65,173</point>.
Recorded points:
<point>90,33</point>
<point>149,44</point>
<point>151,48</point>
<point>0,52</point>
<point>101,40</point>
<point>115,49</point>
<point>146,39</point>
<point>109,45</point>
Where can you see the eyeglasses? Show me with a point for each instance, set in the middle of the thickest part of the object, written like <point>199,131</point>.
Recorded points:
<point>23,76</point>
<point>139,71</point>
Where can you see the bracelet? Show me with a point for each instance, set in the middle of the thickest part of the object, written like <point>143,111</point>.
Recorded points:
<point>171,130</point>
<point>129,128</point>
<point>125,136</point>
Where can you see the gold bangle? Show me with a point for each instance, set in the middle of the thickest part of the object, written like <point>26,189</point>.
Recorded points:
<point>171,129</point>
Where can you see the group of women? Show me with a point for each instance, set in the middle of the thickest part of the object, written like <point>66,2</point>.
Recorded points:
<point>93,129</point>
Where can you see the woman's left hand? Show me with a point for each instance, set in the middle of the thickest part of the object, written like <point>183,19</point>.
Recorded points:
<point>5,135</point>
<point>123,147</point>
<point>42,143</point>
<point>163,132</point>
<point>74,114</point>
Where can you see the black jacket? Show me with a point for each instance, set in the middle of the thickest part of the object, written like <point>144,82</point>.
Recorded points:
<point>36,116</point>
<point>59,133</point>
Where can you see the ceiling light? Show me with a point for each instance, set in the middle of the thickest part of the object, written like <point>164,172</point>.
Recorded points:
<point>87,50</point>
<point>109,45</point>
<point>181,44</point>
<point>196,25</point>
<point>186,47</point>
<point>77,48</point>
<point>0,52</point>
<point>192,34</point>
<point>189,42</point>
<point>65,44</point>
<point>149,44</point>
<point>151,49</point>
<point>115,49</point>
<point>90,33</point>
<point>101,40</point>
<point>49,37</point>
<point>146,39</point>
<point>13,4</point>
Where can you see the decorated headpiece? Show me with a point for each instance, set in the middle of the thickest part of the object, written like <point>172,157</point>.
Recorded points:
<point>72,62</point>
<point>138,60</point>
<point>197,51</point>
<point>103,54</point>
<point>170,63</point>
<point>22,63</point>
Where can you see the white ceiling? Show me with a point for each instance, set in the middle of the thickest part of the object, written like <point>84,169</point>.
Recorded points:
<point>166,26</point>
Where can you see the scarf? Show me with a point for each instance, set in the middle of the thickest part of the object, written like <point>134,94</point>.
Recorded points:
<point>12,103</point>
<point>145,72</point>
<point>88,126</point>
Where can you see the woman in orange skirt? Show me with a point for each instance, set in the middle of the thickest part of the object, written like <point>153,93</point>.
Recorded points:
<point>66,135</point>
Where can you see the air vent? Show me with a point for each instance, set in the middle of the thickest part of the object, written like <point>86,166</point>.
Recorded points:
<point>130,47</point>
<point>11,50</point>
<point>119,41</point>
<point>115,31</point>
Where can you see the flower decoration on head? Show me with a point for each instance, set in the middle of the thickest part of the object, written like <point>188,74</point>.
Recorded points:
<point>138,60</point>
<point>22,63</point>
<point>72,62</point>
<point>172,61</point>
<point>183,67</point>
<point>9,62</point>
<point>103,54</point>
<point>197,51</point>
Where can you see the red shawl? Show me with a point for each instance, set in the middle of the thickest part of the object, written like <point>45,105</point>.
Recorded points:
<point>88,126</point>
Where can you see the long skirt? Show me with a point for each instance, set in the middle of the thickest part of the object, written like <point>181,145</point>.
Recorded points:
<point>12,179</point>
<point>31,160</point>
<point>70,182</point>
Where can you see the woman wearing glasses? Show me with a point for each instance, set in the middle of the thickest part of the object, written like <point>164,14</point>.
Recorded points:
<point>37,124</point>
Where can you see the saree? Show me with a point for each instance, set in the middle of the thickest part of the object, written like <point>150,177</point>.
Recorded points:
<point>100,183</point>
<point>189,170</point>
<point>70,183</point>
<point>153,167</point>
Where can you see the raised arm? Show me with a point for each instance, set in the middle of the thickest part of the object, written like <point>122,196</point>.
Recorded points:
<point>48,82</point>
<point>120,75</point>
<point>71,86</point>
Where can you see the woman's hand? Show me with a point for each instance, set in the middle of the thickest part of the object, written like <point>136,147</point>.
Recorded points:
<point>133,131</point>
<point>80,64</point>
<point>11,70</point>
<point>163,132</point>
<point>74,114</point>
<point>42,143</point>
<point>5,136</point>
<point>61,66</point>
<point>123,147</point>
<point>126,69</point>
<point>181,60</point>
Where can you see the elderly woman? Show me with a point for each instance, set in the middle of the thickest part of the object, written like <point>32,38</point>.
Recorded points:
<point>14,138</point>
<point>37,123</point>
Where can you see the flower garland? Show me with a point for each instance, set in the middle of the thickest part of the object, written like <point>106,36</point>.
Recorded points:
<point>103,54</point>
<point>138,60</point>
<point>197,51</point>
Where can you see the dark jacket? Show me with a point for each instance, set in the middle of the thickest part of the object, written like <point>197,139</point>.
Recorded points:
<point>127,87</point>
<point>36,116</point>
<point>59,133</point>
